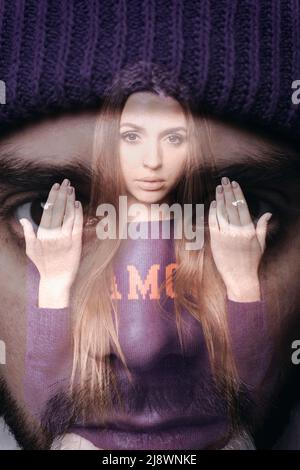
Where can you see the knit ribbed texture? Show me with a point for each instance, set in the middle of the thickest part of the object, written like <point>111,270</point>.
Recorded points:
<point>236,57</point>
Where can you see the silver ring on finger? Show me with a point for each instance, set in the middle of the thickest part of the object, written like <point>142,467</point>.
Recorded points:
<point>238,202</point>
<point>48,205</point>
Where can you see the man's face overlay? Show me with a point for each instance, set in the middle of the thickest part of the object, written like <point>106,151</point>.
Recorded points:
<point>166,383</point>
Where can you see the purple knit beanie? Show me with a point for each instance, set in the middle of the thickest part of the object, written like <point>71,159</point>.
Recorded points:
<point>236,58</point>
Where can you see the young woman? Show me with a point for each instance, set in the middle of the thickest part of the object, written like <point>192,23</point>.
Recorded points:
<point>129,294</point>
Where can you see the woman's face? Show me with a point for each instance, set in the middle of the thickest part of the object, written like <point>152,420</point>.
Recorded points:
<point>153,146</point>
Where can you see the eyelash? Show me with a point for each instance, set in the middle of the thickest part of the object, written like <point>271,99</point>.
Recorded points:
<point>181,139</point>
<point>126,134</point>
<point>8,211</point>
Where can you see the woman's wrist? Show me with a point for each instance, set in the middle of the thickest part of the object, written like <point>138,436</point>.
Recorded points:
<point>53,294</point>
<point>244,291</point>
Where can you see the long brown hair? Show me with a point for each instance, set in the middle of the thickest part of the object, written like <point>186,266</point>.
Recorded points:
<point>94,328</point>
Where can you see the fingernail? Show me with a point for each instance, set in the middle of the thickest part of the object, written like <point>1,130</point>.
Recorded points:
<point>214,203</point>
<point>234,184</point>
<point>77,203</point>
<point>70,190</point>
<point>56,185</point>
<point>66,182</point>
<point>268,217</point>
<point>220,189</point>
<point>225,180</point>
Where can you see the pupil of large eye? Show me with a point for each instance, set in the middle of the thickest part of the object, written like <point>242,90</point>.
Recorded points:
<point>32,210</point>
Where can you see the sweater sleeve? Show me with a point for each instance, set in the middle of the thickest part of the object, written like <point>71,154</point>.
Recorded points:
<point>48,353</point>
<point>251,341</point>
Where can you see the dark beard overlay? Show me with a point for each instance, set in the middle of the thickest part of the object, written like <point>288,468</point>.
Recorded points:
<point>28,437</point>
<point>64,410</point>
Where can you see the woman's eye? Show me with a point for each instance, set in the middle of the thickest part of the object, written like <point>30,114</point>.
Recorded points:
<point>131,137</point>
<point>175,139</point>
<point>31,210</point>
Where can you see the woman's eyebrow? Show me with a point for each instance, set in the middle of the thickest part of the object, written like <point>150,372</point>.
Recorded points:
<point>26,174</point>
<point>131,124</point>
<point>173,129</point>
<point>165,131</point>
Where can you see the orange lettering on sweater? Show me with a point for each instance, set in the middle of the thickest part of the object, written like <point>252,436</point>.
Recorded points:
<point>170,268</point>
<point>148,287</point>
<point>136,284</point>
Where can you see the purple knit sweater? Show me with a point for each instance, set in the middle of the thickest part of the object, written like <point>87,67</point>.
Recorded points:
<point>49,346</point>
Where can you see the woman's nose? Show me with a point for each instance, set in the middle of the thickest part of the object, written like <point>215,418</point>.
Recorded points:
<point>153,156</point>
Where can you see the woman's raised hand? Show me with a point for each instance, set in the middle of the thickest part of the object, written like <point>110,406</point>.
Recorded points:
<point>56,247</point>
<point>237,245</point>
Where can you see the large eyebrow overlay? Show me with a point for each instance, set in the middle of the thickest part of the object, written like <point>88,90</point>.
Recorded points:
<point>267,167</point>
<point>25,174</point>
<point>22,173</point>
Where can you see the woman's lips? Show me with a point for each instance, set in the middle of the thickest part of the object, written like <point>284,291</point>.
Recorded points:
<point>150,185</point>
